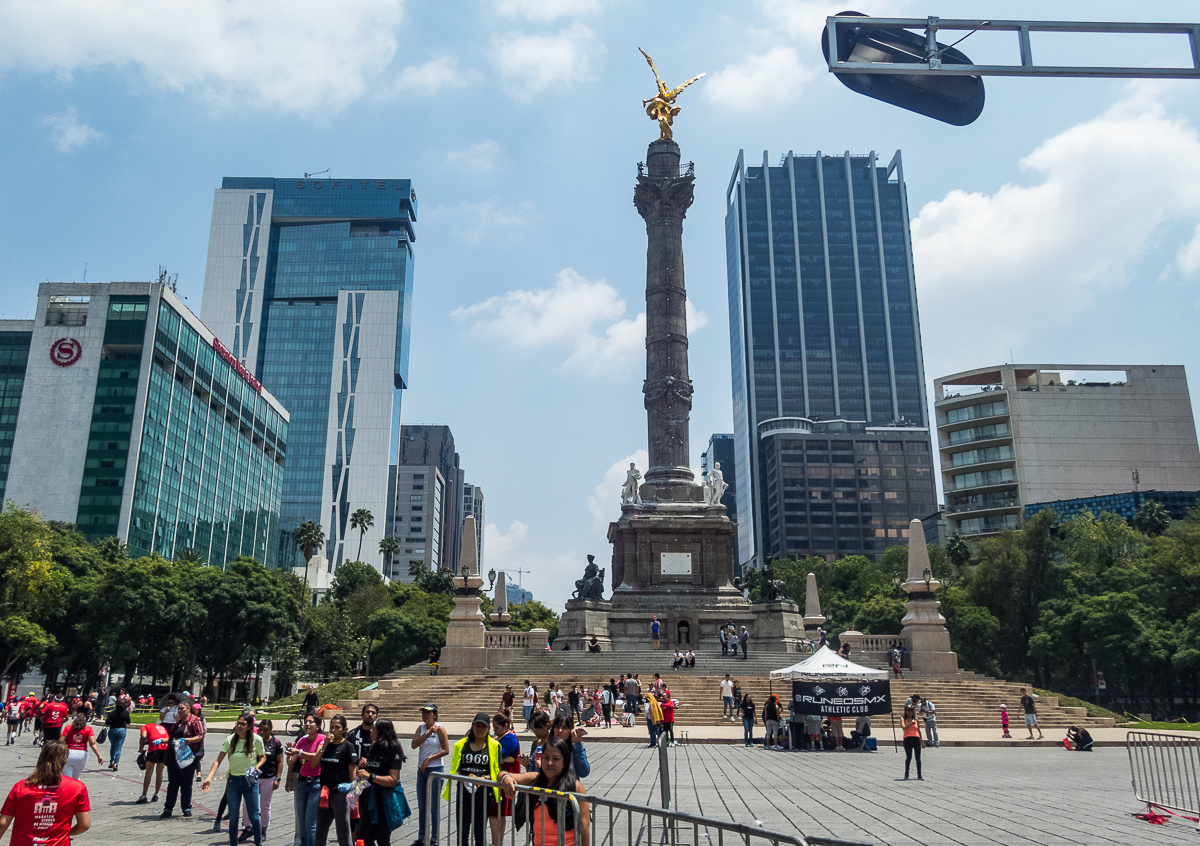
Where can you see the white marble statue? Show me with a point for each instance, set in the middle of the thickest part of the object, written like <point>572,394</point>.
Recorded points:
<point>629,492</point>
<point>714,485</point>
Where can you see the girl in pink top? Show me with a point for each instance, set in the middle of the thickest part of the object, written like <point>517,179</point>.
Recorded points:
<point>308,783</point>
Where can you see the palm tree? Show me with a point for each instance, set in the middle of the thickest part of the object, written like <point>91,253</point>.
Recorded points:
<point>1152,518</point>
<point>388,546</point>
<point>189,556</point>
<point>361,519</point>
<point>958,549</point>
<point>309,537</point>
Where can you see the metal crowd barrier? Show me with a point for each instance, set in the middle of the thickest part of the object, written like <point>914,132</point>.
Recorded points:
<point>1165,770</point>
<point>611,822</point>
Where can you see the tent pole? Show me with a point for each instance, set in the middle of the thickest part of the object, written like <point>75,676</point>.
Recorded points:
<point>894,741</point>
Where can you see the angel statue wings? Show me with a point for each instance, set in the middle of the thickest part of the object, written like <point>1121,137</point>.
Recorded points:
<point>662,106</point>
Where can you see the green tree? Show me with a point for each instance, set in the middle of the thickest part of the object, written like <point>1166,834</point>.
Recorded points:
<point>1152,518</point>
<point>879,615</point>
<point>388,547</point>
<point>328,646</point>
<point>533,615</point>
<point>351,576</point>
<point>959,550</point>
<point>362,519</point>
<point>309,537</point>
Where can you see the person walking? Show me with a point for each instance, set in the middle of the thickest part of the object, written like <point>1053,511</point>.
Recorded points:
<point>247,755</point>
<point>117,722</point>
<point>668,724</point>
<point>268,781</point>
<point>506,702</point>
<point>744,640</point>
<point>912,741</point>
<point>929,714</point>
<point>556,775</point>
<point>724,638</point>
<point>573,703</point>
<point>895,658</point>
<point>748,715</point>
<point>1004,722</point>
<point>311,700</point>
<point>48,807</point>
<point>727,698</point>
<point>655,631</point>
<point>606,705</point>
<point>528,701</point>
<point>79,736</point>
<point>308,778</point>
<point>152,742</point>
<point>12,712</point>
<point>1027,702</point>
<point>432,745</point>
<point>476,755</point>
<point>770,716</point>
<point>186,734</point>
<point>54,714</point>
<point>383,802</point>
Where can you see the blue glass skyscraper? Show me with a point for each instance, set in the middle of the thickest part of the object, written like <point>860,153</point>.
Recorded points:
<point>311,280</point>
<point>832,444</point>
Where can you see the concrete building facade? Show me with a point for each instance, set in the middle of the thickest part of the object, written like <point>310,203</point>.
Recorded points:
<point>420,501</point>
<point>825,344</point>
<point>1014,435</point>
<point>311,280</point>
<point>135,421</point>
<point>473,506</point>
<point>424,447</point>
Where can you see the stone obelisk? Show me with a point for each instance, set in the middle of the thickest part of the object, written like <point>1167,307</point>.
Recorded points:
<point>464,651</point>
<point>924,628</point>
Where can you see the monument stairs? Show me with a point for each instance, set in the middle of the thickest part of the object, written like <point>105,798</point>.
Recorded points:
<point>964,701</point>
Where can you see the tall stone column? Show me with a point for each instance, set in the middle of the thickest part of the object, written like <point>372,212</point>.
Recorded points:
<point>813,618</point>
<point>924,628</point>
<point>662,198</point>
<point>464,651</point>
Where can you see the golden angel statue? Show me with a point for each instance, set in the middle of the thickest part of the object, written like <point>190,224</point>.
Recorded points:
<point>662,106</point>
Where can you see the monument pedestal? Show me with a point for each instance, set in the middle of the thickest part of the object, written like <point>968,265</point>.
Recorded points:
<point>779,627</point>
<point>583,619</point>
<point>464,651</point>
<point>924,628</point>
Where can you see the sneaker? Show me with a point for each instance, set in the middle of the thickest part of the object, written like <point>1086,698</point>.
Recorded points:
<point>245,835</point>
<point>920,778</point>
<point>154,798</point>
<point>188,812</point>
<point>164,814</point>
<point>141,800</point>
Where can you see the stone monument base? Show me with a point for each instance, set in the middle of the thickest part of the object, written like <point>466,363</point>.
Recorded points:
<point>464,651</point>
<point>583,619</point>
<point>929,651</point>
<point>779,627</point>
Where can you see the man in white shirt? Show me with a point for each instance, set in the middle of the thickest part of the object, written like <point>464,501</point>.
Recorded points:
<point>556,697</point>
<point>527,703</point>
<point>727,698</point>
<point>929,712</point>
<point>606,705</point>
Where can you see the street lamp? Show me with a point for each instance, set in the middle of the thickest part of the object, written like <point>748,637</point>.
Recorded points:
<point>491,578</point>
<point>927,575</point>
<point>897,580</point>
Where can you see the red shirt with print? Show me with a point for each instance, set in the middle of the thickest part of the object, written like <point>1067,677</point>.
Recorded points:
<point>54,714</point>
<point>78,739</point>
<point>43,815</point>
<point>156,736</point>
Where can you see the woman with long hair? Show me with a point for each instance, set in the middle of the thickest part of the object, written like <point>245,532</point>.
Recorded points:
<point>564,729</point>
<point>79,737</point>
<point>748,719</point>
<point>556,774</point>
<point>306,753</point>
<point>246,755</point>
<point>117,722</point>
<point>381,805</point>
<point>510,762</point>
<point>770,716</point>
<point>477,755</point>
<point>40,808</point>
<point>336,758</point>
<point>912,740</point>
<point>180,774</point>
<point>268,779</point>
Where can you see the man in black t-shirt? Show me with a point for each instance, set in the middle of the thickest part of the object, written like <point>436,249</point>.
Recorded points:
<point>310,701</point>
<point>360,736</point>
<point>1030,715</point>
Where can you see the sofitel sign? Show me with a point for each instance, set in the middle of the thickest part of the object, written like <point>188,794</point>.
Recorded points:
<point>237,365</point>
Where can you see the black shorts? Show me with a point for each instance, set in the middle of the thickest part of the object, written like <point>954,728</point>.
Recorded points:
<point>51,732</point>
<point>156,756</point>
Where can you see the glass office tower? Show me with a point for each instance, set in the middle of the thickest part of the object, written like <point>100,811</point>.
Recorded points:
<point>311,279</point>
<point>826,348</point>
<point>134,421</point>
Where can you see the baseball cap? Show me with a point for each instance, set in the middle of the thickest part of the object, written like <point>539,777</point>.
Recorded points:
<point>481,717</point>
<point>429,706</point>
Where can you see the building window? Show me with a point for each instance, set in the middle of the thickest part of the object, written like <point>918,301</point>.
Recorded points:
<point>415,498</point>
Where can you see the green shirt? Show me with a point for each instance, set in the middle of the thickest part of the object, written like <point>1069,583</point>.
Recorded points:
<point>239,761</point>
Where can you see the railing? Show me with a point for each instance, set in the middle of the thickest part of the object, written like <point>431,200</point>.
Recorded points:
<point>1006,502</point>
<point>1165,770</point>
<point>506,640</point>
<point>881,644</point>
<point>687,169</point>
<point>610,822</point>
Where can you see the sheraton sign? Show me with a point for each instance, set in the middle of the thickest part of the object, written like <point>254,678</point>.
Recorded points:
<point>237,366</point>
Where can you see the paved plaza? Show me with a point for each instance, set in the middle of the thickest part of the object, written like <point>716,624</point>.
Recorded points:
<point>969,796</point>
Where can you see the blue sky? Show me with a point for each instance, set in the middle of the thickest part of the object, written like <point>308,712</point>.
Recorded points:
<point>1061,226</point>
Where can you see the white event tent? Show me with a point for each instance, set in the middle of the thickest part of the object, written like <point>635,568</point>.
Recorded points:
<point>825,663</point>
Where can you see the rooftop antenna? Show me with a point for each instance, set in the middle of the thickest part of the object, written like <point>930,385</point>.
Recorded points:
<point>318,173</point>
<point>171,282</point>
<point>1136,479</point>
<point>85,272</point>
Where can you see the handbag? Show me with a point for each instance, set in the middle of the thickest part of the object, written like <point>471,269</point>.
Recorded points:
<point>184,756</point>
<point>103,735</point>
<point>141,760</point>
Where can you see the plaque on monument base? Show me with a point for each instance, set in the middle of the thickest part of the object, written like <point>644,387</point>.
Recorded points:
<point>583,619</point>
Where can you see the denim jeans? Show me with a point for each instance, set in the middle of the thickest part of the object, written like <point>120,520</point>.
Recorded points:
<point>527,712</point>
<point>308,797</point>
<point>655,731</point>
<point>238,788</point>
<point>748,730</point>
<point>424,806</point>
<point>116,740</point>
<point>727,710</point>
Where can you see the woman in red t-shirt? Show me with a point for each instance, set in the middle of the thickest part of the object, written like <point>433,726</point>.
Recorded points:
<point>41,807</point>
<point>78,737</point>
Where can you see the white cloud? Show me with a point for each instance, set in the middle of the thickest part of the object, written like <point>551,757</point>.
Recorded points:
<point>293,55</point>
<point>1032,257</point>
<point>476,158</point>
<point>475,222</point>
<point>585,319</point>
<point>547,10</point>
<point>438,74</point>
<point>741,87</point>
<point>605,502</point>
<point>67,133</point>
<point>531,63</point>
<point>549,575</point>
<point>1188,258</point>
<point>805,19</point>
